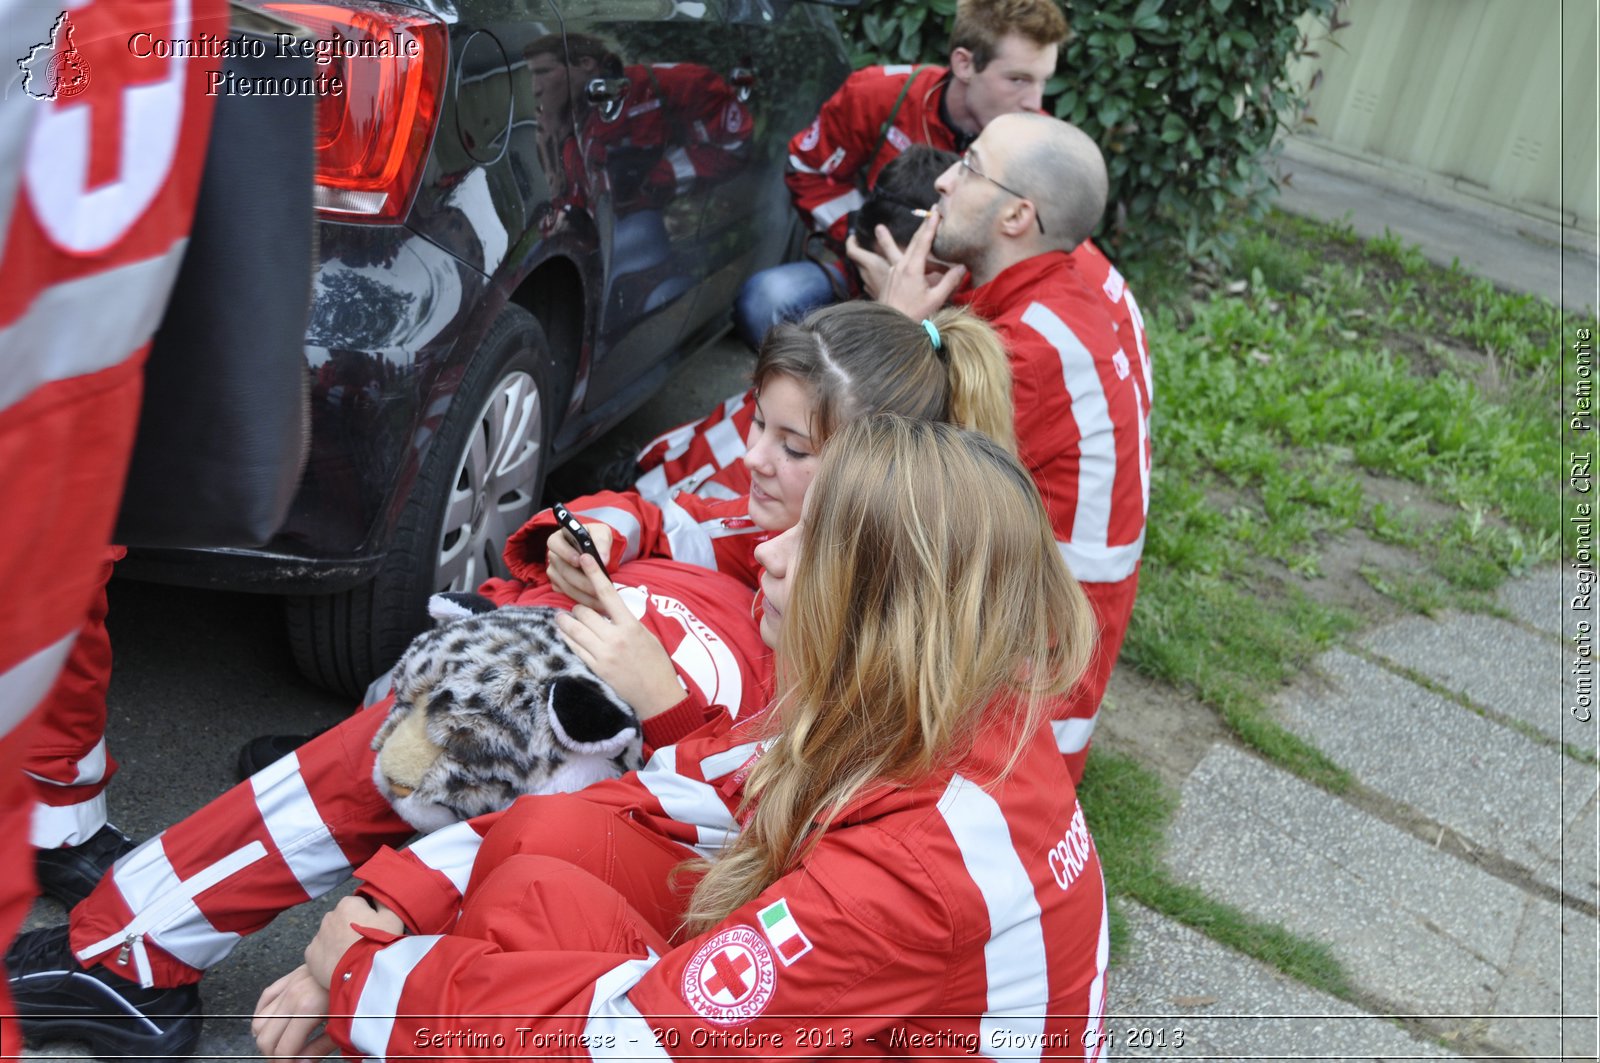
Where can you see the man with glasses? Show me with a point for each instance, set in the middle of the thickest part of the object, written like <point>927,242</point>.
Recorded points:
<point>1013,223</point>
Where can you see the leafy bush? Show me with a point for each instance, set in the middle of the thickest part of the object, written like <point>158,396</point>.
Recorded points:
<point>1184,97</point>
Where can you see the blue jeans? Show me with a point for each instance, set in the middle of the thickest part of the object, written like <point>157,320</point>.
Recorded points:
<point>782,293</point>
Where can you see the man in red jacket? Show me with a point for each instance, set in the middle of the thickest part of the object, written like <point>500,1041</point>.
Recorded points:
<point>1001,54</point>
<point>1014,217</point>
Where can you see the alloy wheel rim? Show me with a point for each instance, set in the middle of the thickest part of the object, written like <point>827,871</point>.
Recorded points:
<point>491,493</point>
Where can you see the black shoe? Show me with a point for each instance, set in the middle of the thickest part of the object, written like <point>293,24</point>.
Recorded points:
<point>70,872</point>
<point>259,752</point>
<point>618,475</point>
<point>57,998</point>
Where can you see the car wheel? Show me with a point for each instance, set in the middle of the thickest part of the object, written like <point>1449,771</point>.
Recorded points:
<point>480,481</point>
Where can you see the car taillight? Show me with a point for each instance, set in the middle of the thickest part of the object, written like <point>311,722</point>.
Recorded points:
<point>373,137</point>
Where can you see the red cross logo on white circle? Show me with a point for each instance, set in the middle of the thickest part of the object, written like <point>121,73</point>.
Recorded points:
<point>731,978</point>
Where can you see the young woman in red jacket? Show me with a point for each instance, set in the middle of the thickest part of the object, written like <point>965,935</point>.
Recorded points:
<point>890,861</point>
<point>135,948</point>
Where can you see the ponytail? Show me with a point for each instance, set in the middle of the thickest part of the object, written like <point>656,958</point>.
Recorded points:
<point>860,358</point>
<point>980,376</point>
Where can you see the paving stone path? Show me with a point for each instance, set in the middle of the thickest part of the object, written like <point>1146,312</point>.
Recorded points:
<point>1456,883</point>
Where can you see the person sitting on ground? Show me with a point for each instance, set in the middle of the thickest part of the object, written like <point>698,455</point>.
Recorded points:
<point>893,851</point>
<point>1002,52</point>
<point>1014,216</point>
<point>136,947</point>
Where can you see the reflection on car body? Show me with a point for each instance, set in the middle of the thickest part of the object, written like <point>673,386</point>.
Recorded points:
<point>564,240</point>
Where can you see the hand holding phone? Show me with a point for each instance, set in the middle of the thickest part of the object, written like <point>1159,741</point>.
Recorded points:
<point>579,533</point>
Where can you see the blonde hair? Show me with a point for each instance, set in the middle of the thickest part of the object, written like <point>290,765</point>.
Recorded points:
<point>928,597</point>
<point>863,357</point>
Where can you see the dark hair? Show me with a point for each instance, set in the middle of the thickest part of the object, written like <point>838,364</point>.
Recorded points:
<point>904,184</point>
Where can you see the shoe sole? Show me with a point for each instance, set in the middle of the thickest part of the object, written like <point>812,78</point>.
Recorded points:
<point>142,1037</point>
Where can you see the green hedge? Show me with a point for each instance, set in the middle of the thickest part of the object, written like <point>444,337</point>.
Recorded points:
<point>1183,96</point>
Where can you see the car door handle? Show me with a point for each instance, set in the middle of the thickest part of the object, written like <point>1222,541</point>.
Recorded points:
<point>743,80</point>
<point>607,94</point>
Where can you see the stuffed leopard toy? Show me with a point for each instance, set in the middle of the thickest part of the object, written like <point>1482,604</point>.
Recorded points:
<point>491,705</point>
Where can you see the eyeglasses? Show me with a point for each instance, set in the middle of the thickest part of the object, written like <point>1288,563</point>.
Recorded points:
<point>971,167</point>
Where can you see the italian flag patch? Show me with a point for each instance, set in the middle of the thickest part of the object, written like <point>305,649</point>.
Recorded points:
<point>784,933</point>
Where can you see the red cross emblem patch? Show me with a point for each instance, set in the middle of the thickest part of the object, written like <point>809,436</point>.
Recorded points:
<point>731,978</point>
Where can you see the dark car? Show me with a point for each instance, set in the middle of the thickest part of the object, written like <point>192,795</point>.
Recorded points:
<point>528,212</point>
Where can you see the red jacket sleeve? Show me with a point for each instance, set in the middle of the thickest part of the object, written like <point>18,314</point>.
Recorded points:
<point>826,157</point>
<point>716,534</point>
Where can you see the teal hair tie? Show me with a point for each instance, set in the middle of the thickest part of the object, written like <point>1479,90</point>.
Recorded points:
<point>933,333</point>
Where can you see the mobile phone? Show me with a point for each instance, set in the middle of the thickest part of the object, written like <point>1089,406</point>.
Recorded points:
<point>579,533</point>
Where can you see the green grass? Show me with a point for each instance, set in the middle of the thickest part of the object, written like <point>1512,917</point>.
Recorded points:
<point>1342,360</point>
<point>1343,370</point>
<point>1128,810</point>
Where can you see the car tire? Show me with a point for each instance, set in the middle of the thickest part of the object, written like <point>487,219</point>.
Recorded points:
<point>481,479</point>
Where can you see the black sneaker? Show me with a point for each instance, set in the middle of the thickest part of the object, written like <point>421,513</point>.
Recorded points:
<point>70,872</point>
<point>59,999</point>
<point>259,752</point>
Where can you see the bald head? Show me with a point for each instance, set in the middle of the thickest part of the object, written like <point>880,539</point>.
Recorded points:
<point>1059,167</point>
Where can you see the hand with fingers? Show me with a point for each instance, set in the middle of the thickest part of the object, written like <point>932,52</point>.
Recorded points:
<point>618,648</point>
<point>561,563</point>
<point>291,1012</point>
<point>907,278</point>
<point>289,1019</point>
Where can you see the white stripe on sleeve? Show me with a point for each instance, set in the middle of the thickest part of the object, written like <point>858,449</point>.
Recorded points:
<point>719,764</point>
<point>682,166</point>
<point>1097,464</point>
<point>689,801</point>
<point>373,1022</point>
<point>1014,960</point>
<point>450,851</point>
<point>688,541</point>
<point>619,520</point>
<point>825,214</point>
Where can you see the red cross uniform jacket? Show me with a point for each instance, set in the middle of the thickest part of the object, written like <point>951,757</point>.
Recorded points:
<point>954,916</point>
<point>831,160</point>
<point>1080,395</point>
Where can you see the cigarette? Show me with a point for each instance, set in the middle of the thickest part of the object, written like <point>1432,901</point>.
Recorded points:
<point>920,213</point>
